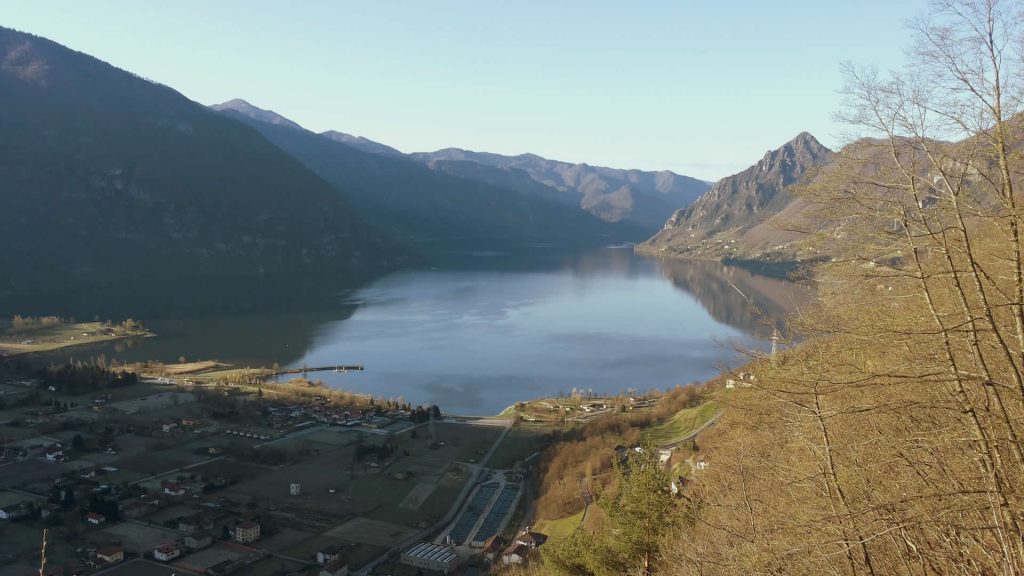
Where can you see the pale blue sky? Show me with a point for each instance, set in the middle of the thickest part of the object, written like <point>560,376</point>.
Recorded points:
<point>698,87</point>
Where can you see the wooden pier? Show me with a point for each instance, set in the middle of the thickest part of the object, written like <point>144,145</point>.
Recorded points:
<point>305,369</point>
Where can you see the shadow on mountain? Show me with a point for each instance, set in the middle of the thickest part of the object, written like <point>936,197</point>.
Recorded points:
<point>243,321</point>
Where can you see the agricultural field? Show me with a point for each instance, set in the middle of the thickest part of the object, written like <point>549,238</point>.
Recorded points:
<point>136,537</point>
<point>520,442</point>
<point>317,475</point>
<point>373,532</point>
<point>214,555</point>
<point>28,472</point>
<point>140,567</point>
<point>271,567</point>
<point>682,423</point>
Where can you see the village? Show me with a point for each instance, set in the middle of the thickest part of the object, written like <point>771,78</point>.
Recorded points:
<point>157,476</point>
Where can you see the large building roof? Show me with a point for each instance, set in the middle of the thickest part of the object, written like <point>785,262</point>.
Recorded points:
<point>431,551</point>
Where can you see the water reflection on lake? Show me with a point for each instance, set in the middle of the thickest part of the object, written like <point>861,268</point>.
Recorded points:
<point>475,341</point>
<point>474,335</point>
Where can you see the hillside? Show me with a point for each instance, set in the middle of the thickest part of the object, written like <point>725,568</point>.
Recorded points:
<point>735,217</point>
<point>429,209</point>
<point>357,142</point>
<point>268,116</point>
<point>642,198</point>
<point>106,177</point>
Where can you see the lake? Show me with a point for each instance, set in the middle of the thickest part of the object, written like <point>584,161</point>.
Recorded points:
<point>473,336</point>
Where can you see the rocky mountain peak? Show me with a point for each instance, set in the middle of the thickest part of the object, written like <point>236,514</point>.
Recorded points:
<point>737,204</point>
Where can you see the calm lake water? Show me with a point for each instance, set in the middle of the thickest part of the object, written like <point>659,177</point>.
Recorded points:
<point>473,337</point>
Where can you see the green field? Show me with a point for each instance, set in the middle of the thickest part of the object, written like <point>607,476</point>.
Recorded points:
<point>682,423</point>
<point>519,443</point>
<point>560,527</point>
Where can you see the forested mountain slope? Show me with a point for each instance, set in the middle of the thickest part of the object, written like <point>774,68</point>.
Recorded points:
<point>107,177</point>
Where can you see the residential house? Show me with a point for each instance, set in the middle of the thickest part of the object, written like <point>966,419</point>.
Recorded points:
<point>167,551</point>
<point>94,518</point>
<point>198,540</point>
<point>6,511</point>
<point>54,453</point>
<point>16,511</point>
<point>168,426</point>
<point>247,532</point>
<point>677,485</point>
<point>492,547</point>
<point>111,553</point>
<point>515,554</point>
<point>530,539</point>
<point>329,554</point>
<point>49,510</point>
<point>172,488</point>
<point>336,567</point>
<point>188,525</point>
<point>137,508</point>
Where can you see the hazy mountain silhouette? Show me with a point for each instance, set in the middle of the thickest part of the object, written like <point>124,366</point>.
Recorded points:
<point>268,116</point>
<point>432,209</point>
<point>359,143</point>
<point>105,176</point>
<point>642,198</point>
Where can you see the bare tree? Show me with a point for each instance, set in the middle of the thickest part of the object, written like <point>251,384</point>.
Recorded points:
<point>889,442</point>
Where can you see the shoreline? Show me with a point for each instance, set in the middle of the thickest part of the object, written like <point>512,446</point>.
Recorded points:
<point>13,350</point>
<point>785,269</point>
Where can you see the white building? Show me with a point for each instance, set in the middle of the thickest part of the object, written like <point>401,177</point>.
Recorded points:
<point>247,532</point>
<point>295,488</point>
<point>336,567</point>
<point>167,551</point>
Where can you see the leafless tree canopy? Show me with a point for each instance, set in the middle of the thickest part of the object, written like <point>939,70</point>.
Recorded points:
<point>890,442</point>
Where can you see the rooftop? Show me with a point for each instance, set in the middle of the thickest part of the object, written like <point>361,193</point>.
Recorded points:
<point>431,551</point>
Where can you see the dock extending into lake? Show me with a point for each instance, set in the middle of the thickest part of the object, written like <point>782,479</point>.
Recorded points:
<point>305,369</point>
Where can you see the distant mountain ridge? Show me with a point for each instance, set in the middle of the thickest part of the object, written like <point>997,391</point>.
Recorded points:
<point>268,116</point>
<point>614,195</point>
<point>639,198</point>
<point>360,143</point>
<point>106,177</point>
<point>735,217</point>
<point>434,210</point>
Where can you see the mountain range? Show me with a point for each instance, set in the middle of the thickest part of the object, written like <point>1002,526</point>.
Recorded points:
<point>640,200</point>
<point>613,195</point>
<point>428,210</point>
<point>106,177</point>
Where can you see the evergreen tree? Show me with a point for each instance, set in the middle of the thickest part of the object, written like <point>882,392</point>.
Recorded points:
<point>641,513</point>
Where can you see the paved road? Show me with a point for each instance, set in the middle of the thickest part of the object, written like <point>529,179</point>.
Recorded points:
<point>588,499</point>
<point>691,435</point>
